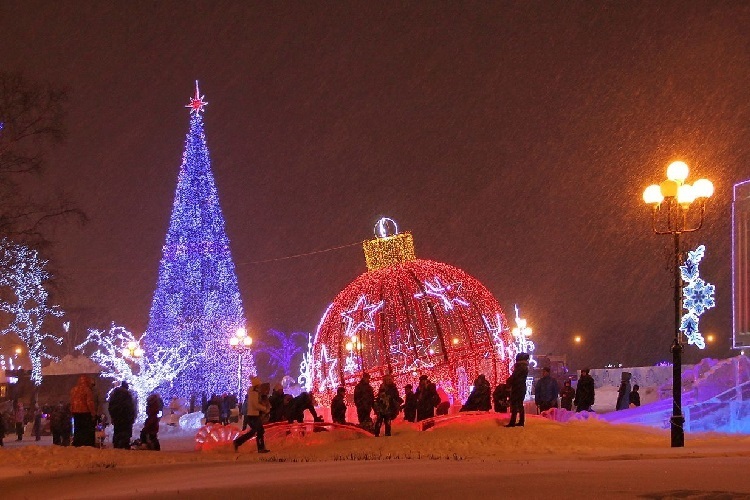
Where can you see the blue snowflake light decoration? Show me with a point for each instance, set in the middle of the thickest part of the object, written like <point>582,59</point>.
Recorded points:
<point>698,297</point>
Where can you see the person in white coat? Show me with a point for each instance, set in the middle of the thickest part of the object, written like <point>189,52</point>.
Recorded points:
<point>256,407</point>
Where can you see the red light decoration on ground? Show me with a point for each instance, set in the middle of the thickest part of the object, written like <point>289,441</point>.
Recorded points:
<point>410,317</point>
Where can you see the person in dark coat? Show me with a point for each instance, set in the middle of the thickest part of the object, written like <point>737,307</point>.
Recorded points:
<point>60,424</point>
<point>297,407</point>
<point>567,393</point>
<point>500,397</point>
<point>517,383</point>
<point>635,396</point>
<point>150,431</point>
<point>338,406</point>
<point>585,393</point>
<point>410,404</point>
<point>122,412</point>
<point>479,399</point>
<point>546,391</point>
<point>427,399</point>
<point>277,404</point>
<point>364,397</point>
<point>623,392</point>
<point>387,405</point>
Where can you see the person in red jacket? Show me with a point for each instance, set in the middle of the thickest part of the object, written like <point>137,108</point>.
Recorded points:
<point>83,408</point>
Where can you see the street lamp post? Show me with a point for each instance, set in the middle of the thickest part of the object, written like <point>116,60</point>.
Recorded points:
<point>671,203</point>
<point>241,343</point>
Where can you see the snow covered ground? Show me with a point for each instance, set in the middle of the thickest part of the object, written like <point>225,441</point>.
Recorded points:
<point>474,457</point>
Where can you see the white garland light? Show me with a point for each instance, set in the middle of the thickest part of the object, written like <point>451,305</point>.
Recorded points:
<point>116,351</point>
<point>24,273</point>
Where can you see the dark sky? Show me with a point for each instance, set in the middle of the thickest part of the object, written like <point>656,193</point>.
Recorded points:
<point>513,139</point>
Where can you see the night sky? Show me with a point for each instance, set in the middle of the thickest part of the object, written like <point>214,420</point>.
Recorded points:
<point>513,139</point>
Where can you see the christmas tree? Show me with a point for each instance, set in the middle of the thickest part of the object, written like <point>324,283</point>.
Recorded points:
<point>197,302</point>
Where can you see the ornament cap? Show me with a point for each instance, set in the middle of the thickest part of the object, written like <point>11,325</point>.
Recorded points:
<point>389,247</point>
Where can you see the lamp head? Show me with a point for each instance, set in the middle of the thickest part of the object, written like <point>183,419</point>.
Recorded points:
<point>703,188</point>
<point>652,195</point>
<point>678,171</point>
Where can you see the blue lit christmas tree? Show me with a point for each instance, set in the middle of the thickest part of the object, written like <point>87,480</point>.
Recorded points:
<point>197,301</point>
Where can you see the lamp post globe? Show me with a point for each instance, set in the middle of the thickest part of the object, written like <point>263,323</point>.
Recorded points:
<point>677,208</point>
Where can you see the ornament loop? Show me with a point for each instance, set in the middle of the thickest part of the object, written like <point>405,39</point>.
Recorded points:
<point>385,228</point>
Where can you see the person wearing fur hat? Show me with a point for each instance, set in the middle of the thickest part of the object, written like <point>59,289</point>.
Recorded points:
<point>517,383</point>
<point>256,407</point>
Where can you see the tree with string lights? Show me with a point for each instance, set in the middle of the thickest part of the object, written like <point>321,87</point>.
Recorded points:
<point>23,276</point>
<point>197,303</point>
<point>119,354</point>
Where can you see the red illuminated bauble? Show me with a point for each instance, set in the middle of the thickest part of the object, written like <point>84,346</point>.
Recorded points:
<point>410,317</point>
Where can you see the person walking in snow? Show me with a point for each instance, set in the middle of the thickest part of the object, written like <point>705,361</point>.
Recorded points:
<point>585,392</point>
<point>338,406</point>
<point>256,407</point>
<point>387,405</point>
<point>364,397</point>
<point>517,383</point>
<point>567,393</point>
<point>546,391</point>
<point>410,404</point>
<point>122,412</point>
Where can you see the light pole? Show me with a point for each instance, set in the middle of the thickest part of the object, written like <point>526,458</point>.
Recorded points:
<point>671,203</point>
<point>241,343</point>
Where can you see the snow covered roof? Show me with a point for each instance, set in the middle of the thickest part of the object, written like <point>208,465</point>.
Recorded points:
<point>71,365</point>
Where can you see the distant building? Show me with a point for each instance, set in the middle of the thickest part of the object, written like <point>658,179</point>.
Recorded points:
<point>741,265</point>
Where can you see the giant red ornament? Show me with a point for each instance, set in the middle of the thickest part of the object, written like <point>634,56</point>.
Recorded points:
<point>410,317</point>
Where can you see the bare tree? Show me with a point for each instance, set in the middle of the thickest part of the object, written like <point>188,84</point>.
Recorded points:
<point>31,124</point>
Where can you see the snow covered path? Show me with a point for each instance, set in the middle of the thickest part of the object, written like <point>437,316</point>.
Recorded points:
<point>473,458</point>
<point>598,477</point>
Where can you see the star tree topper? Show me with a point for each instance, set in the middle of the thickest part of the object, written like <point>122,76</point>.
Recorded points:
<point>197,103</point>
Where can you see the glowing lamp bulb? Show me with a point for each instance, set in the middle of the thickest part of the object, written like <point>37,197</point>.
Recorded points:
<point>126,352</point>
<point>349,346</point>
<point>685,195</point>
<point>138,352</point>
<point>521,323</point>
<point>19,350</point>
<point>132,345</point>
<point>247,341</point>
<point>527,332</point>
<point>455,341</point>
<point>577,339</point>
<point>234,341</point>
<point>354,339</point>
<point>678,171</point>
<point>652,195</point>
<point>703,188</point>
<point>241,332</point>
<point>668,188</point>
